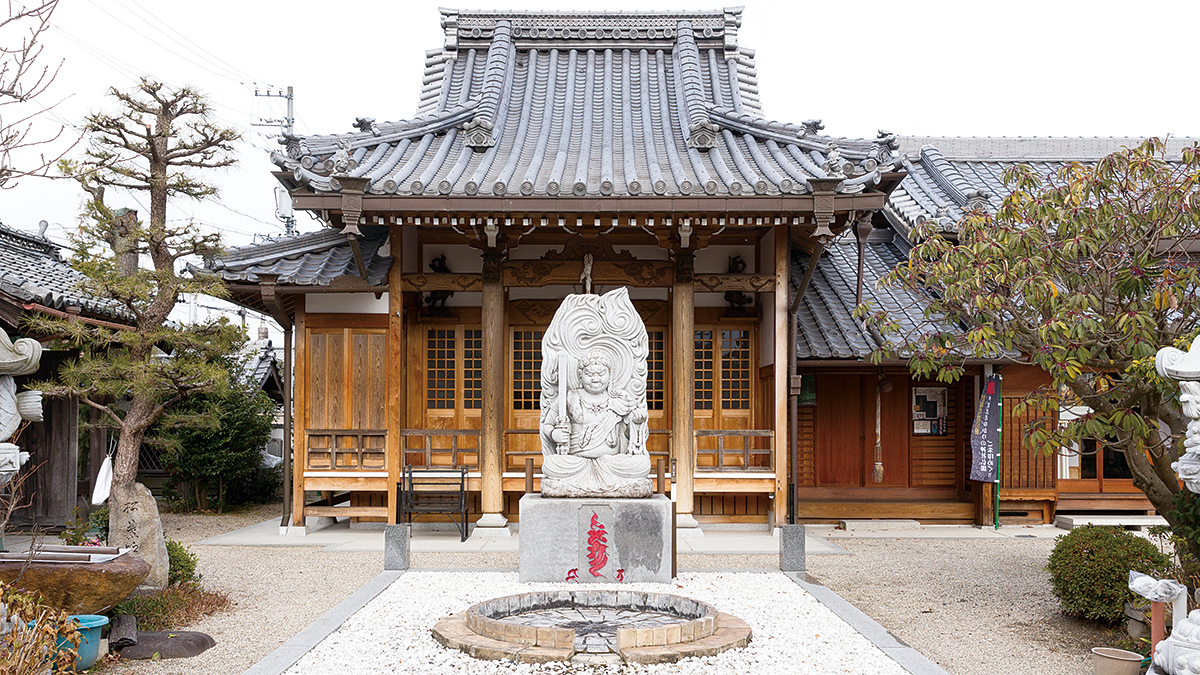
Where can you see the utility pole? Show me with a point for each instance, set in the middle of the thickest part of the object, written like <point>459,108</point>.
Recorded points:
<point>283,201</point>
<point>286,124</point>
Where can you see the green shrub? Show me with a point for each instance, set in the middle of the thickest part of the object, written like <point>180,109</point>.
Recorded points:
<point>1089,569</point>
<point>182,564</point>
<point>98,522</point>
<point>173,607</point>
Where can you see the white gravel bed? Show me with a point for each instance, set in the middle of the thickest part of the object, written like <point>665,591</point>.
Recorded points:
<point>793,633</point>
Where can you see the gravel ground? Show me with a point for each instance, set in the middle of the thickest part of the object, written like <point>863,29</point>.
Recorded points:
<point>391,633</point>
<point>941,596</point>
<point>275,593</point>
<point>971,605</point>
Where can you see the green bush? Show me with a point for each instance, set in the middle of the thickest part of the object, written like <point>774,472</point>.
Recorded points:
<point>182,564</point>
<point>1089,569</point>
<point>98,522</point>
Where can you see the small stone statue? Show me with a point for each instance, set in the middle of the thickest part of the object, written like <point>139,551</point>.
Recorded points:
<point>1184,367</point>
<point>593,421</point>
<point>16,358</point>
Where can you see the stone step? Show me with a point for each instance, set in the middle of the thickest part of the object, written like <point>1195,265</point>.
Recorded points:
<point>1071,521</point>
<point>877,525</point>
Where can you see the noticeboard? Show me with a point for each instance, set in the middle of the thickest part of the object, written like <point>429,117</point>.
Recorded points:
<point>929,411</point>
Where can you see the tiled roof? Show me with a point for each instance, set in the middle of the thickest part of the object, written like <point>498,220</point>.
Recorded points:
<point>949,176</point>
<point>312,259</point>
<point>262,368</point>
<point>32,270</point>
<point>827,328</point>
<point>586,104</point>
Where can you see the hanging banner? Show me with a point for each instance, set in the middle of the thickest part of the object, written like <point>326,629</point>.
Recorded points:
<point>985,433</point>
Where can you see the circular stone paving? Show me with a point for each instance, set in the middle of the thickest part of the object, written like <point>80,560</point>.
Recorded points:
<point>634,626</point>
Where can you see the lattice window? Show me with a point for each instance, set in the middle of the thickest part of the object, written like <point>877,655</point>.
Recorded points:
<point>656,371</point>
<point>439,356</point>
<point>704,370</point>
<point>735,370</point>
<point>527,368</point>
<point>473,368</point>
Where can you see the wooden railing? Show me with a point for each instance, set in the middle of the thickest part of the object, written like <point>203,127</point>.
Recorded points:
<point>752,456</point>
<point>346,450</point>
<point>447,453</point>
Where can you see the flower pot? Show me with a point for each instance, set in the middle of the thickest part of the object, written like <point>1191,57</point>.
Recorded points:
<point>89,638</point>
<point>1112,661</point>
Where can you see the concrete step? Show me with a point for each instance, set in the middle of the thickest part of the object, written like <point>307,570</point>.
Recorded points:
<point>878,525</point>
<point>1073,520</point>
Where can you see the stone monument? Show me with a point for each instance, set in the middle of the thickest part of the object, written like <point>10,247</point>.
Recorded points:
<point>596,512</point>
<point>21,357</point>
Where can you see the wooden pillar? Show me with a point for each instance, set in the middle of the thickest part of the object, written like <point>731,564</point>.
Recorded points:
<point>397,380</point>
<point>491,427</point>
<point>683,391</point>
<point>782,376</point>
<point>300,417</point>
<point>288,416</point>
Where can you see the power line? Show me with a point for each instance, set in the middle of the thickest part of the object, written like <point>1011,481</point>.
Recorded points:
<point>214,59</point>
<point>164,47</point>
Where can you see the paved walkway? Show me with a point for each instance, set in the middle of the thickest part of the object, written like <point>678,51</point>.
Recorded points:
<point>819,539</point>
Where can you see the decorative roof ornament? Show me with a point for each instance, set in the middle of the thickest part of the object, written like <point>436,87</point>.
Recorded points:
<point>342,162</point>
<point>811,127</point>
<point>835,166</point>
<point>978,200</point>
<point>477,134</point>
<point>367,124</point>
<point>703,136</point>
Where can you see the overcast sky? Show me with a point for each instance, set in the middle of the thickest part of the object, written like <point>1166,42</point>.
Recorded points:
<point>918,67</point>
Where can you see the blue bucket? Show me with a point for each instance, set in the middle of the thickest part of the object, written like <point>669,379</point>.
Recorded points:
<point>89,638</point>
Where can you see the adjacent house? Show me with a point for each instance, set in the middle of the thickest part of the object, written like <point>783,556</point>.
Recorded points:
<point>35,279</point>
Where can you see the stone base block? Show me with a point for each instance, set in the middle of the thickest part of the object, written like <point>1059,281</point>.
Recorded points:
<point>791,548</point>
<point>595,540</point>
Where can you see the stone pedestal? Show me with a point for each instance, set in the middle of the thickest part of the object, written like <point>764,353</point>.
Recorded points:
<point>595,540</point>
<point>791,548</point>
<point>396,540</point>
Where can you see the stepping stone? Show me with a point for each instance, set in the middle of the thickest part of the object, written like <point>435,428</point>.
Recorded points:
<point>1072,521</point>
<point>878,525</point>
<point>168,644</point>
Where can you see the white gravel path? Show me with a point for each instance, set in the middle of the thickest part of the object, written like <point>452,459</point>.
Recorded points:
<point>793,633</point>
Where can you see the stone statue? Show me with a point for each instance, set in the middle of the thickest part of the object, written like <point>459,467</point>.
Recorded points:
<point>1184,367</point>
<point>593,420</point>
<point>16,358</point>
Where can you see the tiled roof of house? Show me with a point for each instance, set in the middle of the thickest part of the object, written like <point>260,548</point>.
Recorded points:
<point>587,104</point>
<point>827,328</point>
<point>312,259</point>
<point>949,176</point>
<point>32,270</point>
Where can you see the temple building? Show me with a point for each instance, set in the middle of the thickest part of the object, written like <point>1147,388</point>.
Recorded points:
<point>553,152</point>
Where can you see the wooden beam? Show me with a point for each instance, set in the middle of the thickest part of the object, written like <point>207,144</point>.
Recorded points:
<point>781,374</point>
<point>422,283</point>
<point>720,283</point>
<point>533,273</point>
<point>587,207</point>
<point>683,392</point>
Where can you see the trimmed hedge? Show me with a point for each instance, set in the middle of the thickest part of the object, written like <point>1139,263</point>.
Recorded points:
<point>1089,569</point>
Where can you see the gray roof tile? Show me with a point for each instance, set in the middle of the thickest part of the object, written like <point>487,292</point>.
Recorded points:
<point>312,259</point>
<point>32,270</point>
<point>586,104</point>
<point>827,327</point>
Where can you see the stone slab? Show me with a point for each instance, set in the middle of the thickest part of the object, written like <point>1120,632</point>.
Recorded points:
<point>625,538</point>
<point>791,548</point>
<point>396,539</point>
<point>877,525</point>
<point>1072,521</point>
<point>168,644</point>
